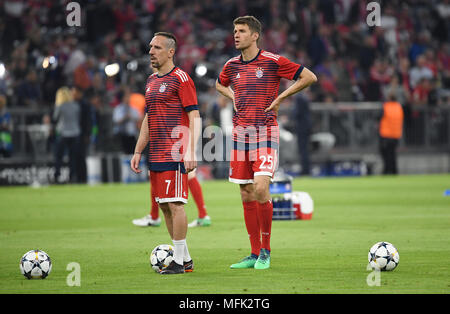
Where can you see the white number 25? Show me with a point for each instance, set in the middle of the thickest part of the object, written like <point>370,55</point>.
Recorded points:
<point>265,160</point>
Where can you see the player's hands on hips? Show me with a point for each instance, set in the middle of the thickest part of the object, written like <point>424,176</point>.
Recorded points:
<point>275,105</point>
<point>190,165</point>
<point>134,163</point>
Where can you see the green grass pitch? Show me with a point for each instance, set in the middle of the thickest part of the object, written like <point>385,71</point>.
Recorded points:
<point>91,225</point>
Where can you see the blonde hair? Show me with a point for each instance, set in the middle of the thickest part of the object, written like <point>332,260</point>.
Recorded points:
<point>63,94</point>
<point>2,101</point>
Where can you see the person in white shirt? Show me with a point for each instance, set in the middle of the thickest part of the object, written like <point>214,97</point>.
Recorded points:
<point>126,120</point>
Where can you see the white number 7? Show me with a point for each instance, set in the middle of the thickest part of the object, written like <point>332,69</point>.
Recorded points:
<point>168,184</point>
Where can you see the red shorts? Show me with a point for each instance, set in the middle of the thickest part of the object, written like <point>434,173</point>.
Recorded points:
<point>169,186</point>
<point>246,164</point>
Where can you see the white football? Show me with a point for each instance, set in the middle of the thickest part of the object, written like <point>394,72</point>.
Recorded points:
<point>161,257</point>
<point>35,264</point>
<point>383,256</point>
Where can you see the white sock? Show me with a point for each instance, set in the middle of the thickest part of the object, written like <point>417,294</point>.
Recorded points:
<point>187,256</point>
<point>178,251</point>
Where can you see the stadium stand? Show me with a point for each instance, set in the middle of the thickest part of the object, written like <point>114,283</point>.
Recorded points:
<point>357,65</point>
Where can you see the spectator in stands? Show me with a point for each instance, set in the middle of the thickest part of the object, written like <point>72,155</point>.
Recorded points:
<point>318,46</point>
<point>124,14</point>
<point>420,93</point>
<point>326,78</point>
<point>84,73</point>
<point>395,88</point>
<point>431,61</point>
<point>420,71</point>
<point>126,122</point>
<point>303,126</point>
<point>380,76</point>
<point>66,116</point>
<point>85,132</point>
<point>5,129</point>
<point>29,91</point>
<point>421,42</point>
<point>443,56</point>
<point>95,101</point>
<point>76,55</point>
<point>118,31</point>
<point>277,36</point>
<point>403,73</point>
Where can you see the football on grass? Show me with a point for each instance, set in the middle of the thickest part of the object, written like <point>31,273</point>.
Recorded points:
<point>35,264</point>
<point>161,257</point>
<point>383,256</point>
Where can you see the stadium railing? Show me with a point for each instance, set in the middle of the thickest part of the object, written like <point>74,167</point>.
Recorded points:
<point>354,125</point>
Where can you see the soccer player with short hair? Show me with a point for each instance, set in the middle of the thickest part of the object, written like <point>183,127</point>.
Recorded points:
<point>252,81</point>
<point>170,126</point>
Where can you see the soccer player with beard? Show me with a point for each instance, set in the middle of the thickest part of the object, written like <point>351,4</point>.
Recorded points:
<point>170,125</point>
<point>251,80</point>
<point>153,219</point>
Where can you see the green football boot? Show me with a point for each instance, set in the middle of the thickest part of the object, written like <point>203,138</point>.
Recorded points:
<point>201,222</point>
<point>246,262</point>
<point>263,261</point>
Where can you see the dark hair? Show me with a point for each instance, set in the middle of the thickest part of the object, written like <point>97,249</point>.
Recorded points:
<point>392,96</point>
<point>253,24</point>
<point>169,36</point>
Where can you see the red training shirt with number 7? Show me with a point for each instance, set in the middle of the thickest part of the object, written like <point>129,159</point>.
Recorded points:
<point>168,99</point>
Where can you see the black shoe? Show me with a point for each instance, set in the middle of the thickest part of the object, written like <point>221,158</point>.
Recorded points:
<point>173,268</point>
<point>188,266</point>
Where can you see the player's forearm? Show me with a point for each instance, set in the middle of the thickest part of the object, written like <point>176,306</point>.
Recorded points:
<point>306,79</point>
<point>226,91</point>
<point>195,125</point>
<point>143,136</point>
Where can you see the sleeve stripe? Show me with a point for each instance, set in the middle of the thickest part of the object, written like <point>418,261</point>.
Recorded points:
<point>190,108</point>
<point>297,74</point>
<point>233,59</point>
<point>182,75</point>
<point>270,55</point>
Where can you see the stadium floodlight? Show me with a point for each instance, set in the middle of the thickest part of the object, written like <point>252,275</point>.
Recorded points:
<point>201,70</point>
<point>132,65</point>
<point>49,61</point>
<point>45,63</point>
<point>2,70</point>
<point>112,69</point>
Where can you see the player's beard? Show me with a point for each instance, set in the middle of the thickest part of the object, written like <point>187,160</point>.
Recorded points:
<point>242,46</point>
<point>155,64</point>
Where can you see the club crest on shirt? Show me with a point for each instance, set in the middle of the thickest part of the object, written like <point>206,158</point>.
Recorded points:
<point>162,87</point>
<point>259,72</point>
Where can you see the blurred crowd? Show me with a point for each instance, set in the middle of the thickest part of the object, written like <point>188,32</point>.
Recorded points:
<point>409,54</point>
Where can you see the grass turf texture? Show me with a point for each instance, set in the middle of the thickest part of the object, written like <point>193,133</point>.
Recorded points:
<point>91,225</point>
